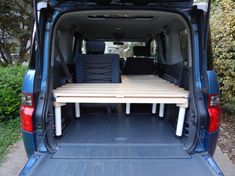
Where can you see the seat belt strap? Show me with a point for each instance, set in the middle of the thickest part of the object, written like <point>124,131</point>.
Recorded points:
<point>63,63</point>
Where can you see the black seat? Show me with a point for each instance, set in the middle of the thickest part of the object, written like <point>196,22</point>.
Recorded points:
<point>97,67</point>
<point>141,64</point>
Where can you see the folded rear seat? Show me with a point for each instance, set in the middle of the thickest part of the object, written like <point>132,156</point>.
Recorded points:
<point>97,67</point>
<point>141,64</point>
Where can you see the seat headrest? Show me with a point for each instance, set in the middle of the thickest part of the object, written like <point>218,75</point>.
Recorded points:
<point>140,51</point>
<point>95,47</point>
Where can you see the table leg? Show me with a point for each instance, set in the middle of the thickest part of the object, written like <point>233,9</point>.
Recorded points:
<point>128,108</point>
<point>77,109</point>
<point>58,124</point>
<point>161,110</point>
<point>154,108</point>
<point>180,123</point>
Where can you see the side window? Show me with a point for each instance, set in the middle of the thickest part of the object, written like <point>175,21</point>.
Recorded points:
<point>153,48</point>
<point>65,40</point>
<point>83,47</point>
<point>184,44</point>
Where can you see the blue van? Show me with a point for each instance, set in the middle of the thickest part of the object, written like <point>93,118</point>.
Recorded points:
<point>120,87</point>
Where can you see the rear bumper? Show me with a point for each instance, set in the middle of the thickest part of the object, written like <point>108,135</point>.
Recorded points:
<point>29,142</point>
<point>212,142</point>
<point>45,164</point>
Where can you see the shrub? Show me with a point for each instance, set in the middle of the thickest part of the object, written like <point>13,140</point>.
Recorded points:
<point>10,89</point>
<point>223,45</point>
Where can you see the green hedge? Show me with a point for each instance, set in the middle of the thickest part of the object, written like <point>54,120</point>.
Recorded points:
<point>10,89</point>
<point>223,45</point>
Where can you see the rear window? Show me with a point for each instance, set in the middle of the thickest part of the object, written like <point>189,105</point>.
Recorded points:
<point>124,49</point>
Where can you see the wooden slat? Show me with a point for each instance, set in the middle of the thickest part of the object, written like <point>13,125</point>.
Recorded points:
<point>107,87</point>
<point>157,93</point>
<point>119,85</point>
<point>121,100</point>
<point>142,78</point>
<point>122,89</point>
<point>121,94</point>
<point>93,92</point>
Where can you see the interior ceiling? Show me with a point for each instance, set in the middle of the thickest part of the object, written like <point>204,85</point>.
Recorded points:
<point>126,29</point>
<point>187,3</point>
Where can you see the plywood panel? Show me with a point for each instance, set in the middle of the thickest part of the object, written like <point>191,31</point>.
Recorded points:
<point>133,89</point>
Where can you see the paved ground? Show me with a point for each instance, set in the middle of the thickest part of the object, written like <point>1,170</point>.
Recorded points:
<point>16,159</point>
<point>224,163</point>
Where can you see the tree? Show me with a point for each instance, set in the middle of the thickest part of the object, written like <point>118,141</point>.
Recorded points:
<point>16,20</point>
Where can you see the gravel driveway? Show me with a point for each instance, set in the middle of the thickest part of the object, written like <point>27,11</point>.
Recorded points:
<point>16,159</point>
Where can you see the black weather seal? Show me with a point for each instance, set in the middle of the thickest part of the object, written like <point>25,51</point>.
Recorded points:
<point>207,23</point>
<point>37,29</point>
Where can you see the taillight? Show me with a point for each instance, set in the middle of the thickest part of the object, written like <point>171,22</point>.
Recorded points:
<point>26,112</point>
<point>214,110</point>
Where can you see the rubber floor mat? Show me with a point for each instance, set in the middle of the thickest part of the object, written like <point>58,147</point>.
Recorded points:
<point>107,129</point>
<point>121,151</point>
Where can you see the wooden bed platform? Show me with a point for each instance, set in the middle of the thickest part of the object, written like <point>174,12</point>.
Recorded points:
<point>141,89</point>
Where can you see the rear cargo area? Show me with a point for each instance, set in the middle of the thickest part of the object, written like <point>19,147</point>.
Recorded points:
<point>137,145</point>
<point>120,145</point>
<point>119,137</point>
<point>121,101</point>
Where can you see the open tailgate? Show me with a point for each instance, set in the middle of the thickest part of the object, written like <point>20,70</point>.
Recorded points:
<point>121,161</point>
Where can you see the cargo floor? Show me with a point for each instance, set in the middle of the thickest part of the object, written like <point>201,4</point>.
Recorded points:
<point>118,128</point>
<point>104,145</point>
<point>117,136</point>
